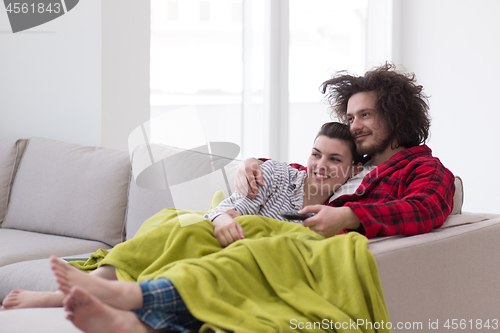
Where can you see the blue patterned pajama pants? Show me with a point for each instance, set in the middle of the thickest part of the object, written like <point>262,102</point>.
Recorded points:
<point>163,307</point>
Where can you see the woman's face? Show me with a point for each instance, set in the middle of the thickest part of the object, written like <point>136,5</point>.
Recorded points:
<point>329,165</point>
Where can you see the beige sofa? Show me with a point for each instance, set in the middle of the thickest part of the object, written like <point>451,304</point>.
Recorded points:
<point>68,200</point>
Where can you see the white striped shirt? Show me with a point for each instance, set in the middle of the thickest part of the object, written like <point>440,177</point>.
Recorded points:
<point>283,190</point>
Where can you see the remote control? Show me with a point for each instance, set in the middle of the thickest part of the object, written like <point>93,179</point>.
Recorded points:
<point>292,215</point>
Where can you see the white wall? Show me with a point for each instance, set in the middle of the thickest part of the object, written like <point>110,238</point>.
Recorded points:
<point>453,46</point>
<point>125,69</point>
<point>50,77</point>
<point>81,78</point>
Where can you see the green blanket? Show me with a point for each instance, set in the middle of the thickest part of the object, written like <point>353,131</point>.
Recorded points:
<point>88,264</point>
<point>281,278</point>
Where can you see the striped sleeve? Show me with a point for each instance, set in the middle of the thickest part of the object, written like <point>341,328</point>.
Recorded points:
<point>245,205</point>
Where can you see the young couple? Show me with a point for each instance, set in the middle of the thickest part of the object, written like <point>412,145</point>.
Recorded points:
<point>405,191</point>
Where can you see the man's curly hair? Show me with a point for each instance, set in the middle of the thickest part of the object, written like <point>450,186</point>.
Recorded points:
<point>401,102</point>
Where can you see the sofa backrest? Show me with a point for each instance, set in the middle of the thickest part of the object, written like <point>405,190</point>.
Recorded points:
<point>70,190</point>
<point>458,198</point>
<point>144,203</point>
<point>10,156</point>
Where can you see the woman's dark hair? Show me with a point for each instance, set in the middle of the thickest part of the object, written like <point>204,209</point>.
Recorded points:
<point>336,130</point>
<point>401,102</point>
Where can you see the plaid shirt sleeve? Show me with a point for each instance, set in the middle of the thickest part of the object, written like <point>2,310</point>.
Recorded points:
<point>407,198</point>
<point>297,166</point>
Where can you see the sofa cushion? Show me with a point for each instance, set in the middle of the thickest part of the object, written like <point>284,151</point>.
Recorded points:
<point>70,190</point>
<point>20,245</point>
<point>10,154</point>
<point>20,275</point>
<point>39,320</point>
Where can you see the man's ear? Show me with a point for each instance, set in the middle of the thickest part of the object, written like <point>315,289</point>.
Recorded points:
<point>357,169</point>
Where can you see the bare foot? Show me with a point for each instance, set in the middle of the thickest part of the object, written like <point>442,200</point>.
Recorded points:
<point>92,316</point>
<point>19,299</point>
<point>118,294</point>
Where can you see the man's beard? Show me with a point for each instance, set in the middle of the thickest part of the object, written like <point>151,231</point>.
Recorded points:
<point>374,149</point>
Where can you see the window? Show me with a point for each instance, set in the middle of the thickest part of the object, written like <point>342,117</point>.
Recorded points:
<point>172,10</point>
<point>196,60</point>
<point>325,36</point>
<point>253,68</point>
<point>204,11</point>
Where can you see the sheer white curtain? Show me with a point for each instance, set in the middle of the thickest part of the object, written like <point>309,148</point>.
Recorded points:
<point>253,68</point>
<point>196,60</point>
<point>325,36</point>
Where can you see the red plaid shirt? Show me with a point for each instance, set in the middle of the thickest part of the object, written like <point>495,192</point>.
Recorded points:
<point>411,193</point>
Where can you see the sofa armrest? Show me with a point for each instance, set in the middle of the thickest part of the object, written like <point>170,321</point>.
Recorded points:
<point>451,272</point>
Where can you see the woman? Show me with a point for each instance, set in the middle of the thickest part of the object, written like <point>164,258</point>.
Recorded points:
<point>332,161</point>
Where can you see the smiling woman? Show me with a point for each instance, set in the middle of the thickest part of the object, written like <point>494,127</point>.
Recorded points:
<point>330,163</point>
<point>285,188</point>
<point>328,168</point>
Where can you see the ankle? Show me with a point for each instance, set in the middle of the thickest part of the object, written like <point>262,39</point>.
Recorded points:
<point>129,295</point>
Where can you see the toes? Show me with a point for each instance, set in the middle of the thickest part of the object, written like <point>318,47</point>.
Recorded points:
<point>56,264</point>
<point>70,317</point>
<point>69,302</point>
<point>63,288</point>
<point>64,285</point>
<point>12,295</point>
<point>80,295</point>
<point>11,300</point>
<point>76,297</point>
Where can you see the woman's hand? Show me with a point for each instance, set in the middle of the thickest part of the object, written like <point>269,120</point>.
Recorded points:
<point>248,176</point>
<point>227,230</point>
<point>231,212</point>
<point>330,221</point>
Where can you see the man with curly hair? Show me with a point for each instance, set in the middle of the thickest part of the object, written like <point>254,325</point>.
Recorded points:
<point>405,190</point>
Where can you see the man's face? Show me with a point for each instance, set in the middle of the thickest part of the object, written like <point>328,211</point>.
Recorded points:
<point>367,127</point>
